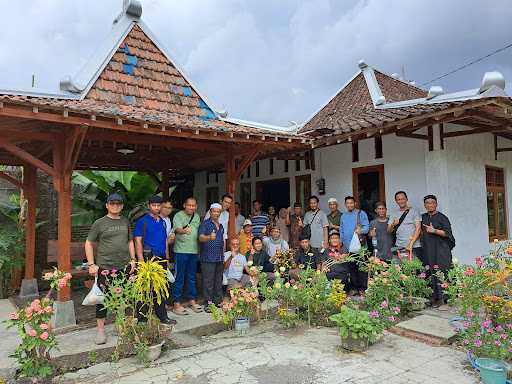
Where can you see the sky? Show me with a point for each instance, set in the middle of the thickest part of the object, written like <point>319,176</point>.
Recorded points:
<point>271,61</point>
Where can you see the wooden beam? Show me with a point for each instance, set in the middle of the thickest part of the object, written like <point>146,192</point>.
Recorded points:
<point>430,134</point>
<point>246,162</point>
<point>127,126</point>
<point>27,135</point>
<point>75,150</point>
<point>469,132</point>
<point>412,135</point>
<point>441,136</point>
<point>30,192</point>
<point>27,157</point>
<point>231,189</point>
<point>11,179</point>
<point>495,147</point>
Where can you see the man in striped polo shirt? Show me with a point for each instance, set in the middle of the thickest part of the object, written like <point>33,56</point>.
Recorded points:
<point>259,219</point>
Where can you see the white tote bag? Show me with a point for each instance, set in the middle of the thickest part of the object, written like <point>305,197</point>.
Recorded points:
<point>95,295</point>
<point>355,244</point>
<point>170,277</point>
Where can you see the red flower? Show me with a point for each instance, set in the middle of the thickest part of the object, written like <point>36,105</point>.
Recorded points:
<point>478,261</point>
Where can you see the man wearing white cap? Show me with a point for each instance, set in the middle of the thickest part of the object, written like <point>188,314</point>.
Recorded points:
<point>334,216</point>
<point>246,237</point>
<point>211,237</point>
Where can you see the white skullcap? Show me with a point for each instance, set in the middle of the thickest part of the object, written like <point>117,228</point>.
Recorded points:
<point>215,205</point>
<point>332,200</point>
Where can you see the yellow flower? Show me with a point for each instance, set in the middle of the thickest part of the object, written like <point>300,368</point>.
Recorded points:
<point>277,285</point>
<point>287,285</point>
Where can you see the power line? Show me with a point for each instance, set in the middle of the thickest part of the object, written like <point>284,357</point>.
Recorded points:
<point>469,64</point>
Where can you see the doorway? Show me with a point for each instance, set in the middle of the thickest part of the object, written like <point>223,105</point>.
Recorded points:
<point>245,199</point>
<point>368,187</point>
<point>274,192</point>
<point>303,190</point>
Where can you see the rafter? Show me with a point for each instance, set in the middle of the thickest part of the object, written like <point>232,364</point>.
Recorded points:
<point>25,156</point>
<point>11,180</point>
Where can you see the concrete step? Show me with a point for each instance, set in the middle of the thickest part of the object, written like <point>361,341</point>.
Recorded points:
<point>430,328</point>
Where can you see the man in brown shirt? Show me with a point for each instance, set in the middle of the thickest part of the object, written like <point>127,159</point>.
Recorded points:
<point>296,225</point>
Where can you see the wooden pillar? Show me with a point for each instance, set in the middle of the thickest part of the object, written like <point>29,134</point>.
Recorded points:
<point>30,192</point>
<point>165,184</point>
<point>62,184</point>
<point>231,189</point>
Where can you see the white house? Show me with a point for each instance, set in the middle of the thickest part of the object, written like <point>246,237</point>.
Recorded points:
<point>378,135</point>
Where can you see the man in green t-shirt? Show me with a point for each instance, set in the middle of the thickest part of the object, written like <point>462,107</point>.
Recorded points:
<point>115,252</point>
<point>186,223</point>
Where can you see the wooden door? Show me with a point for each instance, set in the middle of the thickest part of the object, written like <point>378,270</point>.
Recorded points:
<point>303,190</point>
<point>368,187</point>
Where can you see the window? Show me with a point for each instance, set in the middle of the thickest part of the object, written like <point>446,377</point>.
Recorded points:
<point>496,207</point>
<point>212,196</point>
<point>271,166</point>
<point>257,169</point>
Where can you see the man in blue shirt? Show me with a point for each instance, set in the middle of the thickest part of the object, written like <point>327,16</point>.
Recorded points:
<point>354,221</point>
<point>259,219</point>
<point>151,240</point>
<point>211,237</point>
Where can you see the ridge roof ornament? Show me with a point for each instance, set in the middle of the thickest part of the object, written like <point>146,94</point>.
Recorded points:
<point>490,79</point>
<point>131,8</point>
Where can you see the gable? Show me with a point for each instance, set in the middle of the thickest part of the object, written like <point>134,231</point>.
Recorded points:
<point>139,76</point>
<point>396,90</point>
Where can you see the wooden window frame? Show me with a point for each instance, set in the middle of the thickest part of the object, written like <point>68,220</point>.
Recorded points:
<point>372,168</point>
<point>355,151</point>
<point>495,189</point>
<point>271,166</point>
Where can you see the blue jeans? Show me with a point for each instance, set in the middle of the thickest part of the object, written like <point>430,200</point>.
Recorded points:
<point>185,268</point>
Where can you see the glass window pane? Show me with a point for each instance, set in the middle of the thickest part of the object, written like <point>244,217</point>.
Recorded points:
<point>502,230</point>
<point>491,215</point>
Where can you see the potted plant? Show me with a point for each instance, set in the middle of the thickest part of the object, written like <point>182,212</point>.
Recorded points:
<point>416,285</point>
<point>35,330</point>
<point>357,328</point>
<point>128,296</point>
<point>243,305</point>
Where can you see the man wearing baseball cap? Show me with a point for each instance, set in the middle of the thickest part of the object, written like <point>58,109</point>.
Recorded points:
<point>115,251</point>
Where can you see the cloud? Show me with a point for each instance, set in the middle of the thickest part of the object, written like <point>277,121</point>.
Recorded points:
<point>270,61</point>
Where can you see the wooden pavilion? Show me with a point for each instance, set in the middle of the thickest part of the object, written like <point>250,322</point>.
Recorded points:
<point>130,108</point>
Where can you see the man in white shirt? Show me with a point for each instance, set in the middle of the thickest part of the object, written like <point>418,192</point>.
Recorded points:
<point>234,265</point>
<point>275,242</point>
<point>225,202</point>
<point>239,219</point>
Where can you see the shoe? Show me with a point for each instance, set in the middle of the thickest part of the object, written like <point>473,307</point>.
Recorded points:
<point>101,338</point>
<point>168,321</point>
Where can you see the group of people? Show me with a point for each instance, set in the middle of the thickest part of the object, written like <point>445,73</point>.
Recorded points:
<point>184,242</point>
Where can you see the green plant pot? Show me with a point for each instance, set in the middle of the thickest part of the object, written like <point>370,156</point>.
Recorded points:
<point>242,326</point>
<point>355,345</point>
<point>492,371</point>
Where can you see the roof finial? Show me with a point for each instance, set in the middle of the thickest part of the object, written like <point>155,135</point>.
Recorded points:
<point>493,78</point>
<point>131,8</point>
<point>361,64</point>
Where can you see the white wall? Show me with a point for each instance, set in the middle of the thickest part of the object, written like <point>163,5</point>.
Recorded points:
<point>457,176</point>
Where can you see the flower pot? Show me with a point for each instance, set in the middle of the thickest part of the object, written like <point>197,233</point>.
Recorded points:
<point>355,345</point>
<point>492,371</point>
<point>242,326</point>
<point>154,351</point>
<point>416,303</point>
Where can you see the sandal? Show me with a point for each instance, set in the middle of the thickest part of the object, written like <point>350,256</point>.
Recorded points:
<point>180,311</point>
<point>196,308</point>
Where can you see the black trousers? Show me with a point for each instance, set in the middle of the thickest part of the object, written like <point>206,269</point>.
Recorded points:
<point>212,281</point>
<point>343,272</point>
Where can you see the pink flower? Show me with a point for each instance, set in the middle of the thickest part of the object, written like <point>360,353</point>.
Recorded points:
<point>509,350</point>
<point>470,314</point>
<point>466,324</point>
<point>422,275</point>
<point>396,310</point>
<point>435,266</point>
<point>48,309</point>
<point>469,272</point>
<point>503,336</point>
<point>113,270</point>
<point>374,314</point>
<point>32,333</point>
<point>62,283</point>
<point>384,304</point>
<point>118,290</point>
<point>105,272</point>
<point>444,285</point>
<point>498,343</point>
<point>391,318</point>
<point>499,328</point>
<point>487,323</point>
<point>478,261</point>
<point>36,306</point>
<point>43,326</point>
<point>466,342</point>
<point>68,276</point>
<point>478,343</point>
<point>14,316</point>
<point>28,311</point>
<point>44,336</point>
<point>490,330</point>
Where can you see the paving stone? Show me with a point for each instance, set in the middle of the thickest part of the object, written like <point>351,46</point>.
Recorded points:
<point>430,326</point>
